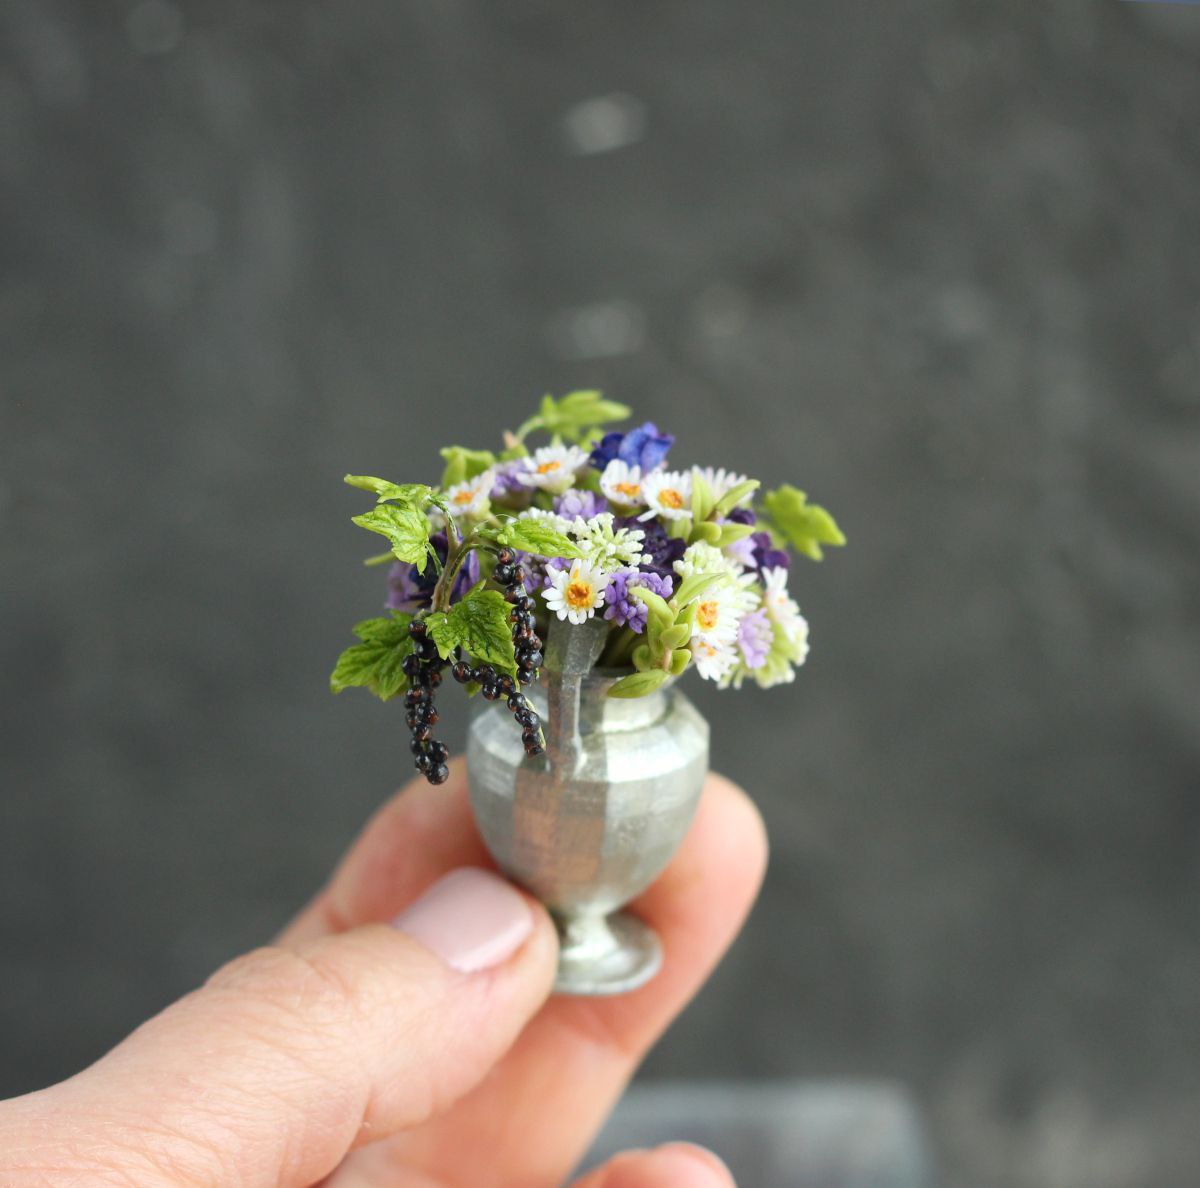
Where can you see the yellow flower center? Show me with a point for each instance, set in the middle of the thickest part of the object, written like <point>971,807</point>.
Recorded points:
<point>708,614</point>
<point>629,490</point>
<point>669,497</point>
<point>464,497</point>
<point>549,467</point>
<point>579,595</point>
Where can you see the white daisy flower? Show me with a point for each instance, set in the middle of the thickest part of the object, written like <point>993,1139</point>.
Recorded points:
<point>606,546</point>
<point>667,493</point>
<point>719,610</point>
<point>713,661</point>
<point>553,468</point>
<point>720,482</point>
<point>472,497</point>
<point>784,613</point>
<point>622,484</point>
<point>574,594</point>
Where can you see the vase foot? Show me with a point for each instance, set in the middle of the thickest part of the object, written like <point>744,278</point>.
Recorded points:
<point>605,954</point>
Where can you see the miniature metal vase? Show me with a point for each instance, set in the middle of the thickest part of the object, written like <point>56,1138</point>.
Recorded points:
<point>590,824</point>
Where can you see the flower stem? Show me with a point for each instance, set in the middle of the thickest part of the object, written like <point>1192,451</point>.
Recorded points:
<point>457,551</point>
<point>618,651</point>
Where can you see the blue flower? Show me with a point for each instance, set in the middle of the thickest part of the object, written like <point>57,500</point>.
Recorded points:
<point>625,610</point>
<point>643,446</point>
<point>410,591</point>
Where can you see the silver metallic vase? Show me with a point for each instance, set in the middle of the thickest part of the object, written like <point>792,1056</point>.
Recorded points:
<point>589,824</point>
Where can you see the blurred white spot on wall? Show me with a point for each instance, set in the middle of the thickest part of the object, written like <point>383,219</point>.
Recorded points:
<point>603,124</point>
<point>963,311</point>
<point>598,331</point>
<point>154,27</point>
<point>722,311</point>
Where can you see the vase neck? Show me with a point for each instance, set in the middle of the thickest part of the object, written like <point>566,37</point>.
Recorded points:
<point>576,691</point>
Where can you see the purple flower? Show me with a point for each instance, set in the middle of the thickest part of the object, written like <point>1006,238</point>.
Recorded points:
<point>756,551</point>
<point>625,610</point>
<point>580,503</point>
<point>662,549</point>
<point>410,591</point>
<point>766,556</point>
<point>754,638</point>
<point>643,446</point>
<point>506,486</point>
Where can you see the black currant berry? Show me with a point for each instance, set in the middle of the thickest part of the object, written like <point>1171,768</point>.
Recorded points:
<point>438,774</point>
<point>461,672</point>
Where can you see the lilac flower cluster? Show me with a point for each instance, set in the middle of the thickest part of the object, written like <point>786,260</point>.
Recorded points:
<point>622,608</point>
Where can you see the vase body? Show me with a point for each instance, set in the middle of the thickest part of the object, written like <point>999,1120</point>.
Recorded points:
<point>590,824</point>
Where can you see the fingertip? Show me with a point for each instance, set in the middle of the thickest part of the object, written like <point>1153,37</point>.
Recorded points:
<point>742,819</point>
<point>674,1165</point>
<point>692,1156</point>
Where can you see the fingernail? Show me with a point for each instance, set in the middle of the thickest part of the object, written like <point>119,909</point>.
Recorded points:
<point>472,919</point>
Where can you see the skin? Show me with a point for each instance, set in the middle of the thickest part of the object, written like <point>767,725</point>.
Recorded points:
<point>347,1054</point>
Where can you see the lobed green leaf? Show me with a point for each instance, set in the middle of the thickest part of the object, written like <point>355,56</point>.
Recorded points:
<point>803,525</point>
<point>406,528</point>
<point>386,491</point>
<point>478,623</point>
<point>532,535</point>
<point>377,663</point>
<point>463,464</point>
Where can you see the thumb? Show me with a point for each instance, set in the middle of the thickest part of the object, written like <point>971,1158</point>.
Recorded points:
<point>289,1057</point>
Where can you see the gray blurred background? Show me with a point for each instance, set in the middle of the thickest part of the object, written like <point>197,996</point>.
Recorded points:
<point>935,262</point>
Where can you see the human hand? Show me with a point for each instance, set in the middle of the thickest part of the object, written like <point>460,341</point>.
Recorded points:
<point>422,1053</point>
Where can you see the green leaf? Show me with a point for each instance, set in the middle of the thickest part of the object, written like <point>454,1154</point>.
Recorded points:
<point>378,662</point>
<point>406,528</point>
<point>706,531</point>
<point>575,414</point>
<point>676,636</point>
<point>692,587</point>
<point>385,491</point>
<point>532,535</point>
<point>680,659</point>
<point>702,498</point>
<point>643,658</point>
<point>463,464</point>
<point>734,496</point>
<point>638,684</point>
<point>731,532</point>
<point>660,614</point>
<point>479,623</point>
<point>803,525</point>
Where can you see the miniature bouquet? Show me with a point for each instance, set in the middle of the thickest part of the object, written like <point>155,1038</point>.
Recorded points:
<point>687,565</point>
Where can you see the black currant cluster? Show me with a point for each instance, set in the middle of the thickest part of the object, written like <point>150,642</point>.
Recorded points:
<point>424,670</point>
<point>423,667</point>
